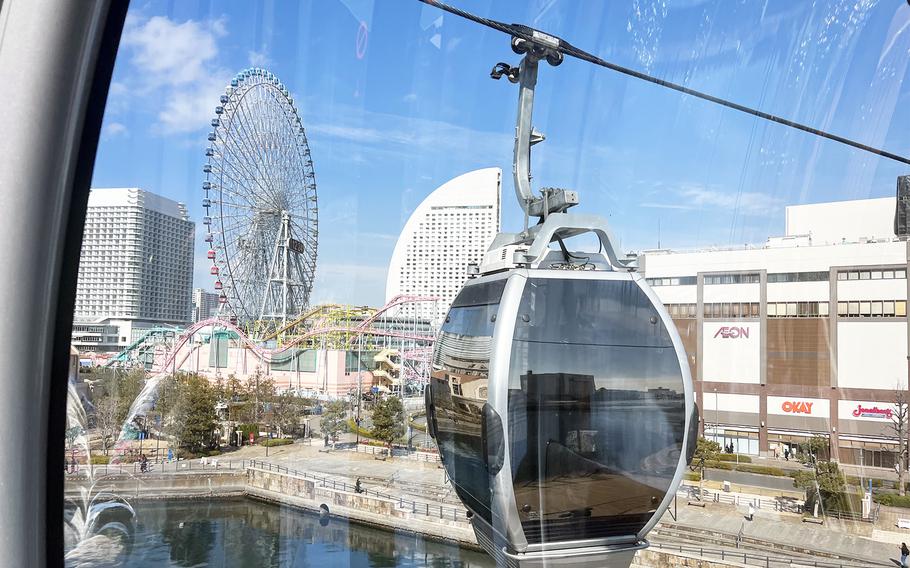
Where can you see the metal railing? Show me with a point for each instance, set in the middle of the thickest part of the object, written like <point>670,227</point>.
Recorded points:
<point>755,559</point>
<point>416,507</point>
<point>397,453</point>
<point>767,503</point>
<point>160,467</point>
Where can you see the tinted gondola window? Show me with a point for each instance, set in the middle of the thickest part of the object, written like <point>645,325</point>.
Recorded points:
<point>459,390</point>
<point>596,409</point>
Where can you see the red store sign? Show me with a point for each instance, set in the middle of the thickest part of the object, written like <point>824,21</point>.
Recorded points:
<point>874,412</point>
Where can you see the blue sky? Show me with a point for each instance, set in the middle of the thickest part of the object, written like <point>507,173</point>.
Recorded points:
<point>390,120</point>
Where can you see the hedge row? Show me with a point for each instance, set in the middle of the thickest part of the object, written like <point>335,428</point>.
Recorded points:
<point>692,476</point>
<point>734,458</point>
<point>747,468</point>
<point>276,442</point>
<point>892,500</point>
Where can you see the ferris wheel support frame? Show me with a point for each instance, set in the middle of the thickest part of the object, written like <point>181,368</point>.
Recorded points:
<point>278,274</point>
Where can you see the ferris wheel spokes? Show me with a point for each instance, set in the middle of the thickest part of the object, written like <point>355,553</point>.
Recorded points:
<point>260,201</point>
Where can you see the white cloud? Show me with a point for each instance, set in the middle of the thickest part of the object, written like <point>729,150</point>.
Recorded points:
<point>692,197</point>
<point>400,135</point>
<point>173,53</point>
<point>745,203</point>
<point>113,129</point>
<point>117,89</point>
<point>189,110</point>
<point>176,63</point>
<point>259,58</point>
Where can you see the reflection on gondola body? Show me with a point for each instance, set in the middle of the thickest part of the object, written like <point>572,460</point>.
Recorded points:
<point>560,399</point>
<point>559,405</point>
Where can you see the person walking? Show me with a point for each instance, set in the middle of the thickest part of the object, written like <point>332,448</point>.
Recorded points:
<point>751,511</point>
<point>904,553</point>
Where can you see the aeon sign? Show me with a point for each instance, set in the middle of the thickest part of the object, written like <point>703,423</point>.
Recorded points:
<point>796,407</point>
<point>732,332</point>
<point>874,412</point>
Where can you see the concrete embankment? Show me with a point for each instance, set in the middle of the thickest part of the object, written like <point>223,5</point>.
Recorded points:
<point>290,489</point>
<point>162,486</point>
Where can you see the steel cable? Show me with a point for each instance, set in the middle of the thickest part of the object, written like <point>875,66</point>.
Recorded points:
<point>526,33</point>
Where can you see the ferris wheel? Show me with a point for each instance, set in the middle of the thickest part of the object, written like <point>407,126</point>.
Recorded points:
<point>261,212</point>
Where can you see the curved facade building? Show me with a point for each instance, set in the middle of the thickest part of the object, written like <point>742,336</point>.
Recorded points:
<point>450,229</point>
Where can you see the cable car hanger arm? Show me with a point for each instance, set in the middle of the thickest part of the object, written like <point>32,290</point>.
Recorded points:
<point>529,34</point>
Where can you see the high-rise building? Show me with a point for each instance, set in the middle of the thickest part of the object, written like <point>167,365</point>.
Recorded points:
<point>205,304</point>
<point>451,228</point>
<point>136,264</point>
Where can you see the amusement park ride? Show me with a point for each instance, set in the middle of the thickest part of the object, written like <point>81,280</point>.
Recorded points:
<point>261,219</point>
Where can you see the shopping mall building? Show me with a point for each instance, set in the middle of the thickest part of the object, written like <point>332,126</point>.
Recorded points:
<point>804,335</point>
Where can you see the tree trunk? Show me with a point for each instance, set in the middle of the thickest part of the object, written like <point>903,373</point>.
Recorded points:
<point>701,481</point>
<point>902,467</point>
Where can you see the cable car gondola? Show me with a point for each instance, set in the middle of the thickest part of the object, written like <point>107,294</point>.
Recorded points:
<point>560,399</point>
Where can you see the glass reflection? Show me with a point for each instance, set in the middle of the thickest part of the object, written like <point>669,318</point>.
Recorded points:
<point>596,409</point>
<point>459,389</point>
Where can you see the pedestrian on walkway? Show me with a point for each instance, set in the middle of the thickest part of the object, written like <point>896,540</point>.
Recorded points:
<point>357,487</point>
<point>751,511</point>
<point>904,553</point>
<point>787,454</point>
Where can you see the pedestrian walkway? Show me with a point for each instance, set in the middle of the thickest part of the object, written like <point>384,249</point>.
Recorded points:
<point>426,482</point>
<point>785,529</point>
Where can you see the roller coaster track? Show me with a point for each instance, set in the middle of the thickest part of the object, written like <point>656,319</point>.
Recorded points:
<point>353,333</point>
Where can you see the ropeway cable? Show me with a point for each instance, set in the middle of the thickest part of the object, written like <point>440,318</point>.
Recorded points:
<point>561,45</point>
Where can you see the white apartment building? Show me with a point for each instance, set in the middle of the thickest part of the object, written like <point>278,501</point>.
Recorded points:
<point>450,229</point>
<point>804,335</point>
<point>205,304</point>
<point>136,265</point>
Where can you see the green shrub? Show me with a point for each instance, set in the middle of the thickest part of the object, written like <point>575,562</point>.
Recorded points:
<point>892,500</point>
<point>353,427</point>
<point>835,502</point>
<point>747,468</point>
<point>761,469</point>
<point>416,425</point>
<point>101,460</point>
<point>734,458</point>
<point>276,442</point>
<point>692,476</point>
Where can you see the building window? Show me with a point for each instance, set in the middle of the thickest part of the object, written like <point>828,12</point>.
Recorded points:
<point>672,281</point>
<point>900,274</point>
<point>820,276</point>
<point>872,308</point>
<point>732,279</point>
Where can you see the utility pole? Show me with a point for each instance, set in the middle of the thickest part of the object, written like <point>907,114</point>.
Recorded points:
<point>359,386</point>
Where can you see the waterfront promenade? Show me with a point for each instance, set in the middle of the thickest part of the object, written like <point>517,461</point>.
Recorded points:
<point>414,495</point>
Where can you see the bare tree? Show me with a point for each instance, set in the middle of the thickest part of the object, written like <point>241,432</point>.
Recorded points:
<point>900,420</point>
<point>106,418</point>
